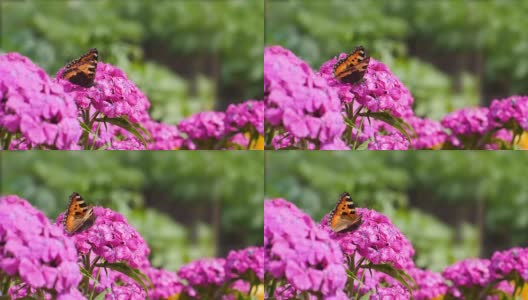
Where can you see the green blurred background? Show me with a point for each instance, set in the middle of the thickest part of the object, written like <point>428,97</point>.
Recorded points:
<point>186,56</point>
<point>449,53</point>
<point>451,205</point>
<point>186,204</point>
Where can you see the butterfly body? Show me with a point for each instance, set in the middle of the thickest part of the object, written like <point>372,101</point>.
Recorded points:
<point>344,217</point>
<point>78,216</point>
<point>82,70</point>
<point>351,69</point>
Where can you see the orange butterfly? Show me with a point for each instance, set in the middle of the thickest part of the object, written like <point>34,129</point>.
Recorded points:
<point>343,217</point>
<point>82,70</point>
<point>351,69</point>
<point>79,216</point>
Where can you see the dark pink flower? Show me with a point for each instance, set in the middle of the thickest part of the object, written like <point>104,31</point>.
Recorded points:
<point>505,262</point>
<point>380,286</point>
<point>429,284</point>
<point>239,262</point>
<point>34,107</point>
<point>380,90</point>
<point>118,286</point>
<point>38,252</point>
<point>113,94</point>
<point>391,141</point>
<point>206,272</point>
<point>111,238</point>
<point>429,133</point>
<point>164,137</point>
<point>248,113</point>
<point>204,125</point>
<point>469,272</point>
<point>298,100</point>
<point>164,283</point>
<point>299,252</point>
<point>514,108</point>
<point>466,122</point>
<point>376,239</point>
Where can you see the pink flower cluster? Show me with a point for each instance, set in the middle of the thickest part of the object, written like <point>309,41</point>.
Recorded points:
<point>472,275</point>
<point>314,110</point>
<point>205,273</point>
<point>35,112</point>
<point>250,260</point>
<point>240,270</point>
<point>504,263</point>
<point>113,94</point>
<point>44,113</point>
<point>299,102</point>
<point>37,257</point>
<point>380,91</point>
<point>111,238</point>
<point>205,130</point>
<point>377,240</point>
<point>35,251</point>
<point>298,252</point>
<point>301,253</point>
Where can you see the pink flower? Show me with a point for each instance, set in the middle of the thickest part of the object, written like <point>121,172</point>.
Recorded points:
<point>248,113</point>
<point>514,108</point>
<point>380,90</point>
<point>514,260</point>
<point>118,286</point>
<point>113,94</point>
<point>298,100</point>
<point>467,121</point>
<point>204,125</point>
<point>299,252</point>
<point>469,272</point>
<point>429,133</point>
<point>391,141</point>
<point>165,283</point>
<point>429,284</point>
<point>111,238</point>
<point>39,253</point>
<point>239,262</point>
<point>164,137</point>
<point>34,107</point>
<point>376,239</point>
<point>380,286</point>
<point>206,272</point>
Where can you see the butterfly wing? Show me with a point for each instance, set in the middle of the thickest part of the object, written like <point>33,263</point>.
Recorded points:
<point>351,69</point>
<point>344,215</point>
<point>78,215</point>
<point>82,70</point>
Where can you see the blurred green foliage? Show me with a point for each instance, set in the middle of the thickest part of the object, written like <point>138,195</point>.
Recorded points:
<point>433,197</point>
<point>170,49</point>
<point>448,33</point>
<point>489,26</point>
<point>167,196</point>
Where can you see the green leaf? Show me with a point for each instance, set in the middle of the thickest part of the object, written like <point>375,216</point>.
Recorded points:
<point>102,295</point>
<point>85,127</point>
<point>404,278</point>
<point>124,123</point>
<point>364,145</point>
<point>133,273</point>
<point>349,122</point>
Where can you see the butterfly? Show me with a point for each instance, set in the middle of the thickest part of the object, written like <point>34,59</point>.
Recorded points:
<point>344,217</point>
<point>78,216</point>
<point>351,69</point>
<point>82,70</point>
